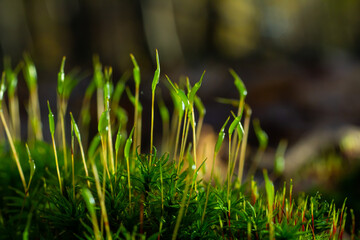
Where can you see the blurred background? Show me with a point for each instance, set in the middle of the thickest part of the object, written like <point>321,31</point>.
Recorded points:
<point>298,59</point>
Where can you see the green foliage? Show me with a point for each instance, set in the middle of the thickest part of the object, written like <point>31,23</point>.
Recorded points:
<point>153,197</point>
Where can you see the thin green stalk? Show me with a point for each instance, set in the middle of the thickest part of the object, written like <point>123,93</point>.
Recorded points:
<point>153,88</point>
<point>244,143</point>
<point>62,103</point>
<point>242,93</point>
<point>239,113</point>
<point>102,201</point>
<point>11,142</point>
<point>235,157</point>
<point>165,117</point>
<point>15,116</point>
<point>84,162</point>
<point>100,102</point>
<point>34,124</point>
<point>202,111</point>
<point>270,192</point>
<point>52,132</point>
<point>139,127</point>
<point>127,156</point>
<point>228,171</point>
<point>194,140</point>
<point>106,171</point>
<point>135,120</point>
<point>12,81</point>
<point>57,163</point>
<point>216,150</point>
<point>78,136</point>
<point>72,146</point>
<point>136,74</point>
<point>129,180</point>
<point>102,129</point>
<point>90,203</point>
<point>32,169</point>
<point>208,188</point>
<point>110,143</point>
<point>72,166</point>
<point>263,141</point>
<point>35,109</point>
<point>152,124</point>
<point>199,127</point>
<point>182,208</point>
<point>183,140</point>
<point>117,147</point>
<point>174,131</point>
<point>177,137</point>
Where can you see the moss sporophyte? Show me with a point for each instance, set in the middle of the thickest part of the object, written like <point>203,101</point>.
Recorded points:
<point>114,189</point>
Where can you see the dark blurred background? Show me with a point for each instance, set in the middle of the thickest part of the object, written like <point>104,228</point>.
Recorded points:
<point>298,59</point>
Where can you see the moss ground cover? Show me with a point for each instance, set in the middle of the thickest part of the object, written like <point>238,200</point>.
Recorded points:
<point>111,188</point>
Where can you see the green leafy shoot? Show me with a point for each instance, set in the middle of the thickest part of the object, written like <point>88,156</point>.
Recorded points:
<point>269,187</point>
<point>270,193</point>
<point>195,88</point>
<point>180,93</point>
<point>236,124</point>
<point>51,120</point>
<point>239,84</point>
<point>221,136</point>
<point>127,156</point>
<point>260,135</point>
<point>154,83</point>
<point>128,145</point>
<point>239,127</point>
<point>11,76</point>
<point>136,71</point>
<point>98,75</point>
<point>103,124</point>
<point>78,136</point>
<point>61,78</point>
<point>52,131</point>
<point>30,73</point>
<point>156,74</point>
<point>148,196</point>
<point>118,140</point>
<point>76,128</point>
<point>279,164</point>
<point>90,204</point>
<point>108,84</point>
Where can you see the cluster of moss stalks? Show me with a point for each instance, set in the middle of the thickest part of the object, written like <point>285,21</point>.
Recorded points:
<point>109,189</point>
